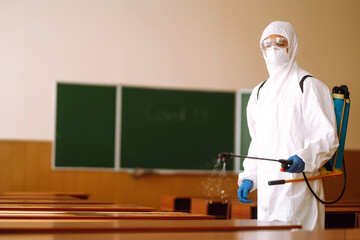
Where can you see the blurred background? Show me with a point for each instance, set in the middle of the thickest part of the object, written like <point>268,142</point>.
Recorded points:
<point>176,44</point>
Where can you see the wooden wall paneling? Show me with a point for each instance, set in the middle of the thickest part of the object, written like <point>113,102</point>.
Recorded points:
<point>123,190</point>
<point>56,181</point>
<point>117,194</point>
<point>107,188</point>
<point>352,174</point>
<point>333,186</point>
<point>26,165</point>
<point>17,161</point>
<point>81,183</point>
<point>146,182</point>
<point>6,167</point>
<point>31,173</point>
<point>43,164</point>
<point>68,181</point>
<point>93,178</point>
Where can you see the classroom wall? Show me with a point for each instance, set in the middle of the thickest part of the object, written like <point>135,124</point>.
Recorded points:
<point>192,44</point>
<point>182,44</point>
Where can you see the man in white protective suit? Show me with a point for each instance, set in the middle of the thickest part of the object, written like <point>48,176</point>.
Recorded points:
<point>288,121</point>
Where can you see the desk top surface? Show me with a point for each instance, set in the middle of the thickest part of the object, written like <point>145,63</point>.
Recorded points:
<point>28,197</point>
<point>344,204</point>
<point>338,234</point>
<point>27,226</point>
<point>73,194</point>
<point>51,201</point>
<point>99,215</point>
<point>342,209</point>
<point>74,207</point>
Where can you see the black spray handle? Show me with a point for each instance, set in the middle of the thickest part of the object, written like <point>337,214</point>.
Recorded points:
<point>285,164</point>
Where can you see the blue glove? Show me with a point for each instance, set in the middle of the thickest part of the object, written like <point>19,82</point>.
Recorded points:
<point>297,165</point>
<point>243,191</point>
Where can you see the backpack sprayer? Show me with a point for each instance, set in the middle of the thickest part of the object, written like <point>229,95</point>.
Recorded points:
<point>336,165</point>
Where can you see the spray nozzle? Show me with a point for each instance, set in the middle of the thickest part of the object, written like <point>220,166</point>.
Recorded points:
<point>224,157</point>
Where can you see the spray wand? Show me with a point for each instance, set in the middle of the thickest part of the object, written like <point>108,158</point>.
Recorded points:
<point>285,164</point>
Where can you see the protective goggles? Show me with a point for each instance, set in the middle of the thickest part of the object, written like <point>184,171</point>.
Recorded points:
<point>280,42</point>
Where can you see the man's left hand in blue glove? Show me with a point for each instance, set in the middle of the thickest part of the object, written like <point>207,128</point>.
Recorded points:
<point>297,165</point>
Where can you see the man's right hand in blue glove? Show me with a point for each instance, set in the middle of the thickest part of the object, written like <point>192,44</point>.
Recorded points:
<point>243,191</point>
<point>297,165</point>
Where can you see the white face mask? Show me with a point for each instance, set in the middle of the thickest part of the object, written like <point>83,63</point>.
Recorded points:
<point>276,55</point>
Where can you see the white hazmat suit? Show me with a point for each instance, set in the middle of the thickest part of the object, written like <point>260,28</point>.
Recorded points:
<point>284,121</point>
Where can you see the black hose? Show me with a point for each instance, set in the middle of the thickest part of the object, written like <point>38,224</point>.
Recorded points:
<point>341,194</point>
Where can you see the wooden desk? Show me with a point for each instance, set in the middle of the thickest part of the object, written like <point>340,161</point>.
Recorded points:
<point>342,209</point>
<point>44,201</point>
<point>341,217</point>
<point>344,204</point>
<point>338,215</point>
<point>175,203</point>
<point>99,215</point>
<point>79,195</point>
<point>342,214</point>
<point>75,207</point>
<point>217,207</point>
<point>29,226</point>
<point>220,208</point>
<point>199,205</point>
<point>241,210</point>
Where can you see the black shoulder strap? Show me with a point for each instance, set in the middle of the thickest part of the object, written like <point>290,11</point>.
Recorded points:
<point>302,82</point>
<point>259,88</point>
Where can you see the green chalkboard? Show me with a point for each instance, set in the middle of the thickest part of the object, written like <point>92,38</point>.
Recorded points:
<point>115,127</point>
<point>85,126</point>
<point>175,129</point>
<point>245,138</point>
